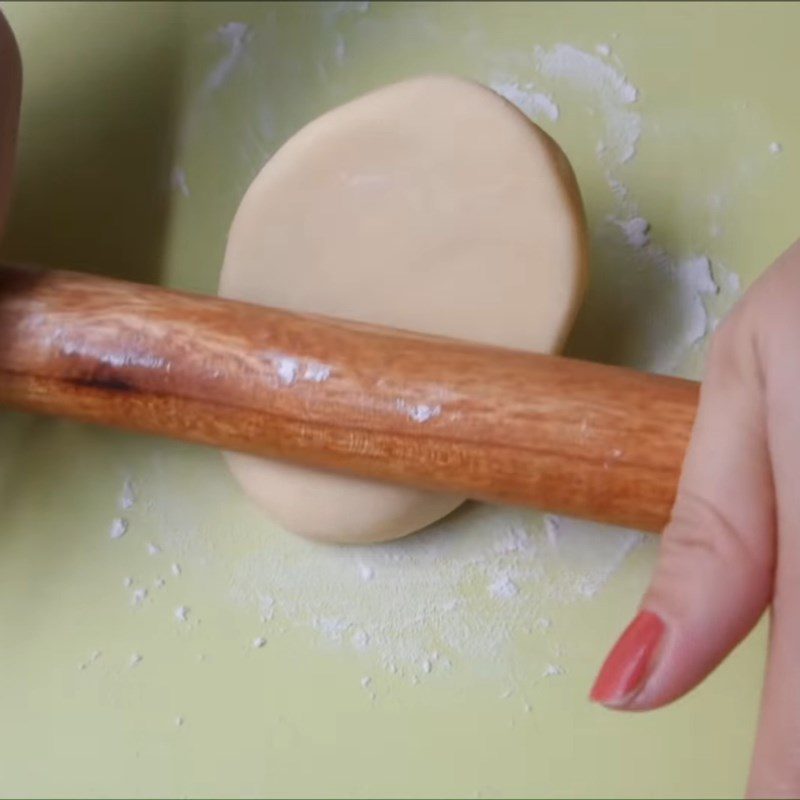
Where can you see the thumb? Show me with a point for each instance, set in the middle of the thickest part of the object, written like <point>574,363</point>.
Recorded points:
<point>714,575</point>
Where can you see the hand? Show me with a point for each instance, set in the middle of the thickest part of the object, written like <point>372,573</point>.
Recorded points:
<point>732,546</point>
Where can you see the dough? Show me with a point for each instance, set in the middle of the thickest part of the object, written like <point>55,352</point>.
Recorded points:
<point>432,205</point>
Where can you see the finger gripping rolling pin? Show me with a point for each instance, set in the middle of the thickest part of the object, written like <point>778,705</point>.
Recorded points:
<point>572,437</point>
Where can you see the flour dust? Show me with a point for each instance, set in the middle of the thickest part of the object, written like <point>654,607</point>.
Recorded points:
<point>469,588</point>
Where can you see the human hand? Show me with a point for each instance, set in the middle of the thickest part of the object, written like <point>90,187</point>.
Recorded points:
<point>732,546</point>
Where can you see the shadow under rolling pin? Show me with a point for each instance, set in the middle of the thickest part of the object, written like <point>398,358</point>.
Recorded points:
<point>587,440</point>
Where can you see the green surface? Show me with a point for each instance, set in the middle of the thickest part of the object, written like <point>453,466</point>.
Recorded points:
<point>115,96</point>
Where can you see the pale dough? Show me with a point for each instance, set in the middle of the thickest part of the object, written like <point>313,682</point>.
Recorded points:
<point>432,205</point>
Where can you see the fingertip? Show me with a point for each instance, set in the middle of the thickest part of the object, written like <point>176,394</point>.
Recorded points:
<point>632,659</point>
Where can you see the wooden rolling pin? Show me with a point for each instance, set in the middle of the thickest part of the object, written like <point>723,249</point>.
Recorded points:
<point>587,440</point>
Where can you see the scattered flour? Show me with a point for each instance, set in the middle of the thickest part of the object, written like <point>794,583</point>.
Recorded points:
<point>636,230</point>
<point>420,412</point>
<point>681,286</point>
<point>290,370</point>
<point>287,369</point>
<point>552,524</point>
<point>259,642</point>
<point>608,88</point>
<point>235,36</point>
<point>316,373</point>
<point>153,549</point>
<point>178,181</point>
<point>339,50</point>
<point>503,588</point>
<point>135,659</point>
<point>437,591</point>
<point>428,593</point>
<point>128,496</point>
<point>775,148</point>
<point>182,614</point>
<point>537,105</point>
<point>119,527</point>
<point>587,72</point>
<point>696,280</point>
<point>138,597</point>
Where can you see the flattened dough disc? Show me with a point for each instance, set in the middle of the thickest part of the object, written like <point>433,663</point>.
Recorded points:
<point>431,205</point>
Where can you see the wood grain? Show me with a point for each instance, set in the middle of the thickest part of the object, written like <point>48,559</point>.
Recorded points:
<point>588,440</point>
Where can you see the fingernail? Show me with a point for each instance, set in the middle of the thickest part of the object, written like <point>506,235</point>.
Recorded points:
<point>625,669</point>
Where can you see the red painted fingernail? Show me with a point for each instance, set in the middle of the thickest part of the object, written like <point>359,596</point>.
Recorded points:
<point>624,671</point>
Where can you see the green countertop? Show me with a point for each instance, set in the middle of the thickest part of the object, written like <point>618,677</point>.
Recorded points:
<point>456,663</point>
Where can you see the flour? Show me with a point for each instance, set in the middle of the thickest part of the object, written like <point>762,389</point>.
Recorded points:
<point>290,370</point>
<point>128,496</point>
<point>503,588</point>
<point>420,412</point>
<point>178,181</point>
<point>485,585</point>
<point>259,642</point>
<point>424,593</point>
<point>586,72</point>
<point>316,373</point>
<point>696,280</point>
<point>287,369</point>
<point>609,89</point>
<point>182,614</point>
<point>636,230</point>
<point>119,527</point>
<point>682,286</point>
<point>339,50</point>
<point>775,148</point>
<point>552,526</point>
<point>138,597</point>
<point>235,36</point>
<point>733,282</point>
<point>537,105</point>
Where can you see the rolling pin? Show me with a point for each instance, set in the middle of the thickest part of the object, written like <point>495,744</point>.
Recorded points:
<point>587,440</point>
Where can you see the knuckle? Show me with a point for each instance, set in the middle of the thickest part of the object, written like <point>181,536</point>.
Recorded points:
<point>701,538</point>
